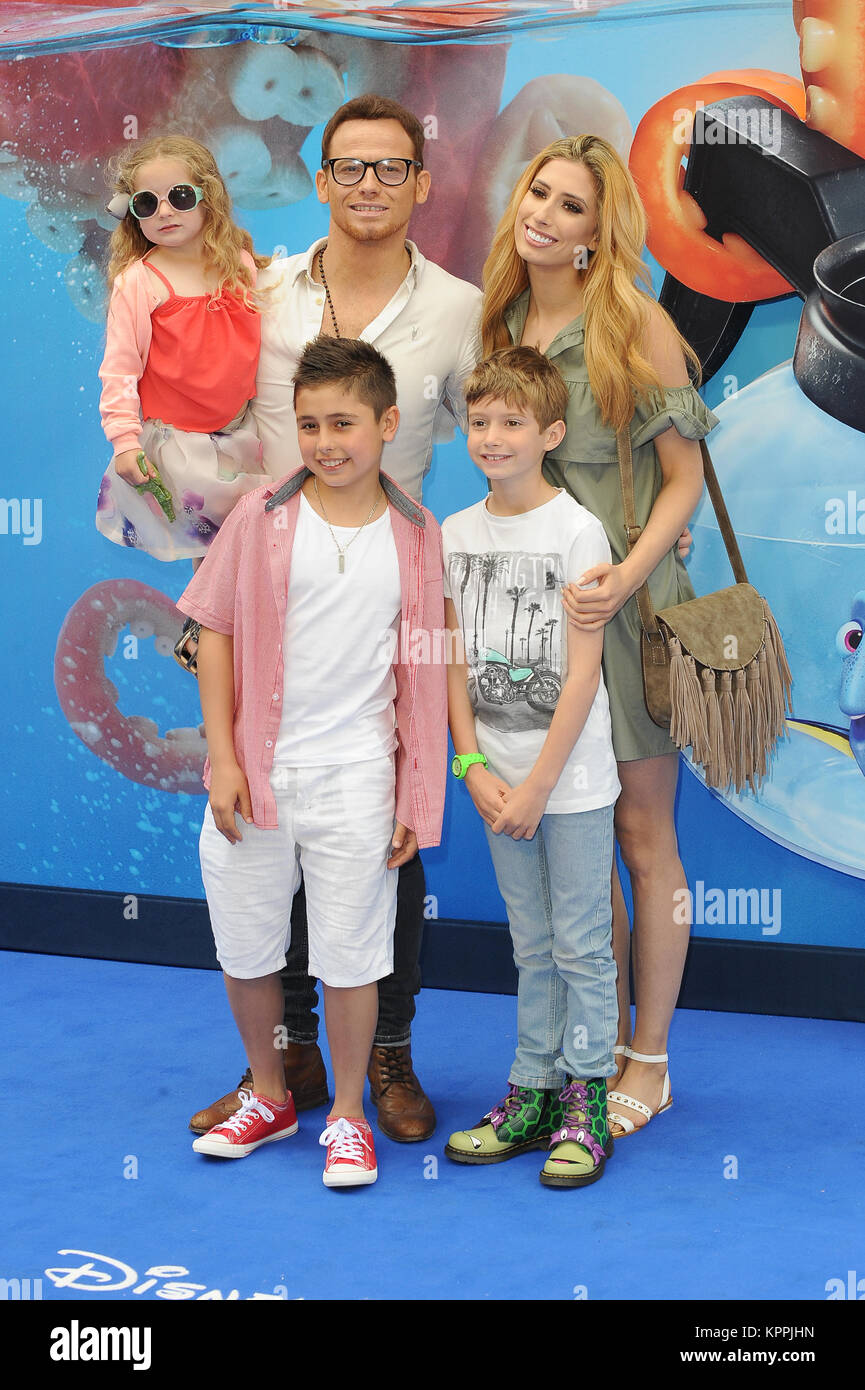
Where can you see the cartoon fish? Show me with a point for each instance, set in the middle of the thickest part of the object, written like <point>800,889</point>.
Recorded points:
<point>851,700</point>
<point>852,697</point>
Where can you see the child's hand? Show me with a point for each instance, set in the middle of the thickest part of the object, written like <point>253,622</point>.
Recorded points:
<point>404,844</point>
<point>229,790</point>
<point>127,467</point>
<point>521,812</point>
<point>684,543</point>
<point>596,597</point>
<point>486,791</point>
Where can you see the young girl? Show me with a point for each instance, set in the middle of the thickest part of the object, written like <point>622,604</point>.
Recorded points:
<point>181,354</point>
<point>562,275</point>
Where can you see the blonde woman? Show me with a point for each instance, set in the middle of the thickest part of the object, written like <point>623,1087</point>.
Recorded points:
<point>564,275</point>
<point>182,346</point>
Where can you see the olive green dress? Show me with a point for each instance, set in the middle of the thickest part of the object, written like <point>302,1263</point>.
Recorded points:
<point>586,465</point>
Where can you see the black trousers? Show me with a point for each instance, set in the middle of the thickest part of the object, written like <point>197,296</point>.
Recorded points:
<point>396,992</point>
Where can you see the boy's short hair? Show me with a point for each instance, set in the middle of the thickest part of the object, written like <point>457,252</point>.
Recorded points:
<point>351,363</point>
<point>372,107</point>
<point>523,378</point>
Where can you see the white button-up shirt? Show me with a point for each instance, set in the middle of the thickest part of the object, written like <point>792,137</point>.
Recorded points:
<point>429,332</point>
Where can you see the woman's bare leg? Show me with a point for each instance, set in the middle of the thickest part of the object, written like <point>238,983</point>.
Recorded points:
<point>622,955</point>
<point>646,833</point>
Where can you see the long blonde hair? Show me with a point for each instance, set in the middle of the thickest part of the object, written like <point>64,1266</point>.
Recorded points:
<point>222,239</point>
<point>616,309</point>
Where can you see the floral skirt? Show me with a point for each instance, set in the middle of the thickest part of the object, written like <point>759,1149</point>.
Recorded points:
<point>205,475</point>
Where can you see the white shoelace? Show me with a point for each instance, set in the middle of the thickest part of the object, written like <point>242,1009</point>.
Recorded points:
<point>348,1142</point>
<point>251,1107</point>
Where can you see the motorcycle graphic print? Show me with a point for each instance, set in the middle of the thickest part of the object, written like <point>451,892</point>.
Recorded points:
<point>510,610</point>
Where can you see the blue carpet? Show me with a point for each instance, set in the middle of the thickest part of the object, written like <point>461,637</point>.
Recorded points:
<point>105,1062</point>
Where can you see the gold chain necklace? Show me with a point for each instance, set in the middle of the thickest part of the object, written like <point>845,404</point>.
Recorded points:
<point>340,548</point>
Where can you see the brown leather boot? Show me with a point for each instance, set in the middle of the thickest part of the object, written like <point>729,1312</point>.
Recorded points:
<point>404,1112</point>
<point>305,1077</point>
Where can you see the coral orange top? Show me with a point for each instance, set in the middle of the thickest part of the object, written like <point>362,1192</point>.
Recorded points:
<point>204,365</point>
<point>203,357</point>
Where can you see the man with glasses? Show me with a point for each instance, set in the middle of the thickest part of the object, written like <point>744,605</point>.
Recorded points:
<point>365,280</point>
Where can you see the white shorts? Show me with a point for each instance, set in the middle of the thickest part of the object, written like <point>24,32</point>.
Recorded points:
<point>335,824</point>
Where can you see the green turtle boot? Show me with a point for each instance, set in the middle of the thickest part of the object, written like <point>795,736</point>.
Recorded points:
<point>524,1120</point>
<point>581,1144</point>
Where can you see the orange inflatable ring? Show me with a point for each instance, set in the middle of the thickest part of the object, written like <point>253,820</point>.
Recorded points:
<point>731,271</point>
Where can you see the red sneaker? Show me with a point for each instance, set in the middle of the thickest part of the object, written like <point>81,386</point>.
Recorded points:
<point>350,1153</point>
<point>258,1121</point>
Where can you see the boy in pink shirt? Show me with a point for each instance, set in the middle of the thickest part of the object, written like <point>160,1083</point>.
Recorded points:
<point>320,605</point>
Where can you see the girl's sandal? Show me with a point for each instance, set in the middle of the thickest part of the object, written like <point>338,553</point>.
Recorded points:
<point>619,1098</point>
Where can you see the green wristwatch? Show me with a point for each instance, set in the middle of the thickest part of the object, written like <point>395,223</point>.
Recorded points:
<point>463,761</point>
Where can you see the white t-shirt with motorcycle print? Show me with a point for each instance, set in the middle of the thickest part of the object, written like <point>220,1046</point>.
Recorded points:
<point>504,575</point>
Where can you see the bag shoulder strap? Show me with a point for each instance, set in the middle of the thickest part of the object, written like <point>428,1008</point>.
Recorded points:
<point>633,531</point>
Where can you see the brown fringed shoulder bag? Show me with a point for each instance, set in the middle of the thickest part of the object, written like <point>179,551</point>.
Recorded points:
<point>715,672</point>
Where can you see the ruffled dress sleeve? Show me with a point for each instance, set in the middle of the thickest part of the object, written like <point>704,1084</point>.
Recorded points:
<point>682,407</point>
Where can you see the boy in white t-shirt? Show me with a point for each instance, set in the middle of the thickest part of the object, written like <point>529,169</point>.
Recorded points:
<point>325,736</point>
<point>530,723</point>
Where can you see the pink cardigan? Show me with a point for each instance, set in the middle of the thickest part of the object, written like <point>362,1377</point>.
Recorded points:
<point>128,335</point>
<point>241,590</point>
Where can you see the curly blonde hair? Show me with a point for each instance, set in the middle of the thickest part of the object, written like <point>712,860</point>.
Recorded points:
<point>616,309</point>
<point>223,240</point>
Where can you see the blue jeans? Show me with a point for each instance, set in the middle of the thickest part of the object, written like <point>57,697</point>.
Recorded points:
<point>556,888</point>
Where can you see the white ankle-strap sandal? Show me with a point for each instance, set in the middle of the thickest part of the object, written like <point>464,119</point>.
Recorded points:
<point>619,1098</point>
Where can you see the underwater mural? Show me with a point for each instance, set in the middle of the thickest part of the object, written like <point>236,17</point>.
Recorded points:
<point>107,727</point>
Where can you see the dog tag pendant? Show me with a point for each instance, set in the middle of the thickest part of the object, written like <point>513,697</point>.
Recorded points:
<point>341,563</point>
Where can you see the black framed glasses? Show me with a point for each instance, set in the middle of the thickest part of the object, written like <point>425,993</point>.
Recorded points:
<point>390,172</point>
<point>183,197</point>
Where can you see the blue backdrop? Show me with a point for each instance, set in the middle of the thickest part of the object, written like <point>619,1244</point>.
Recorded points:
<point>69,817</point>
